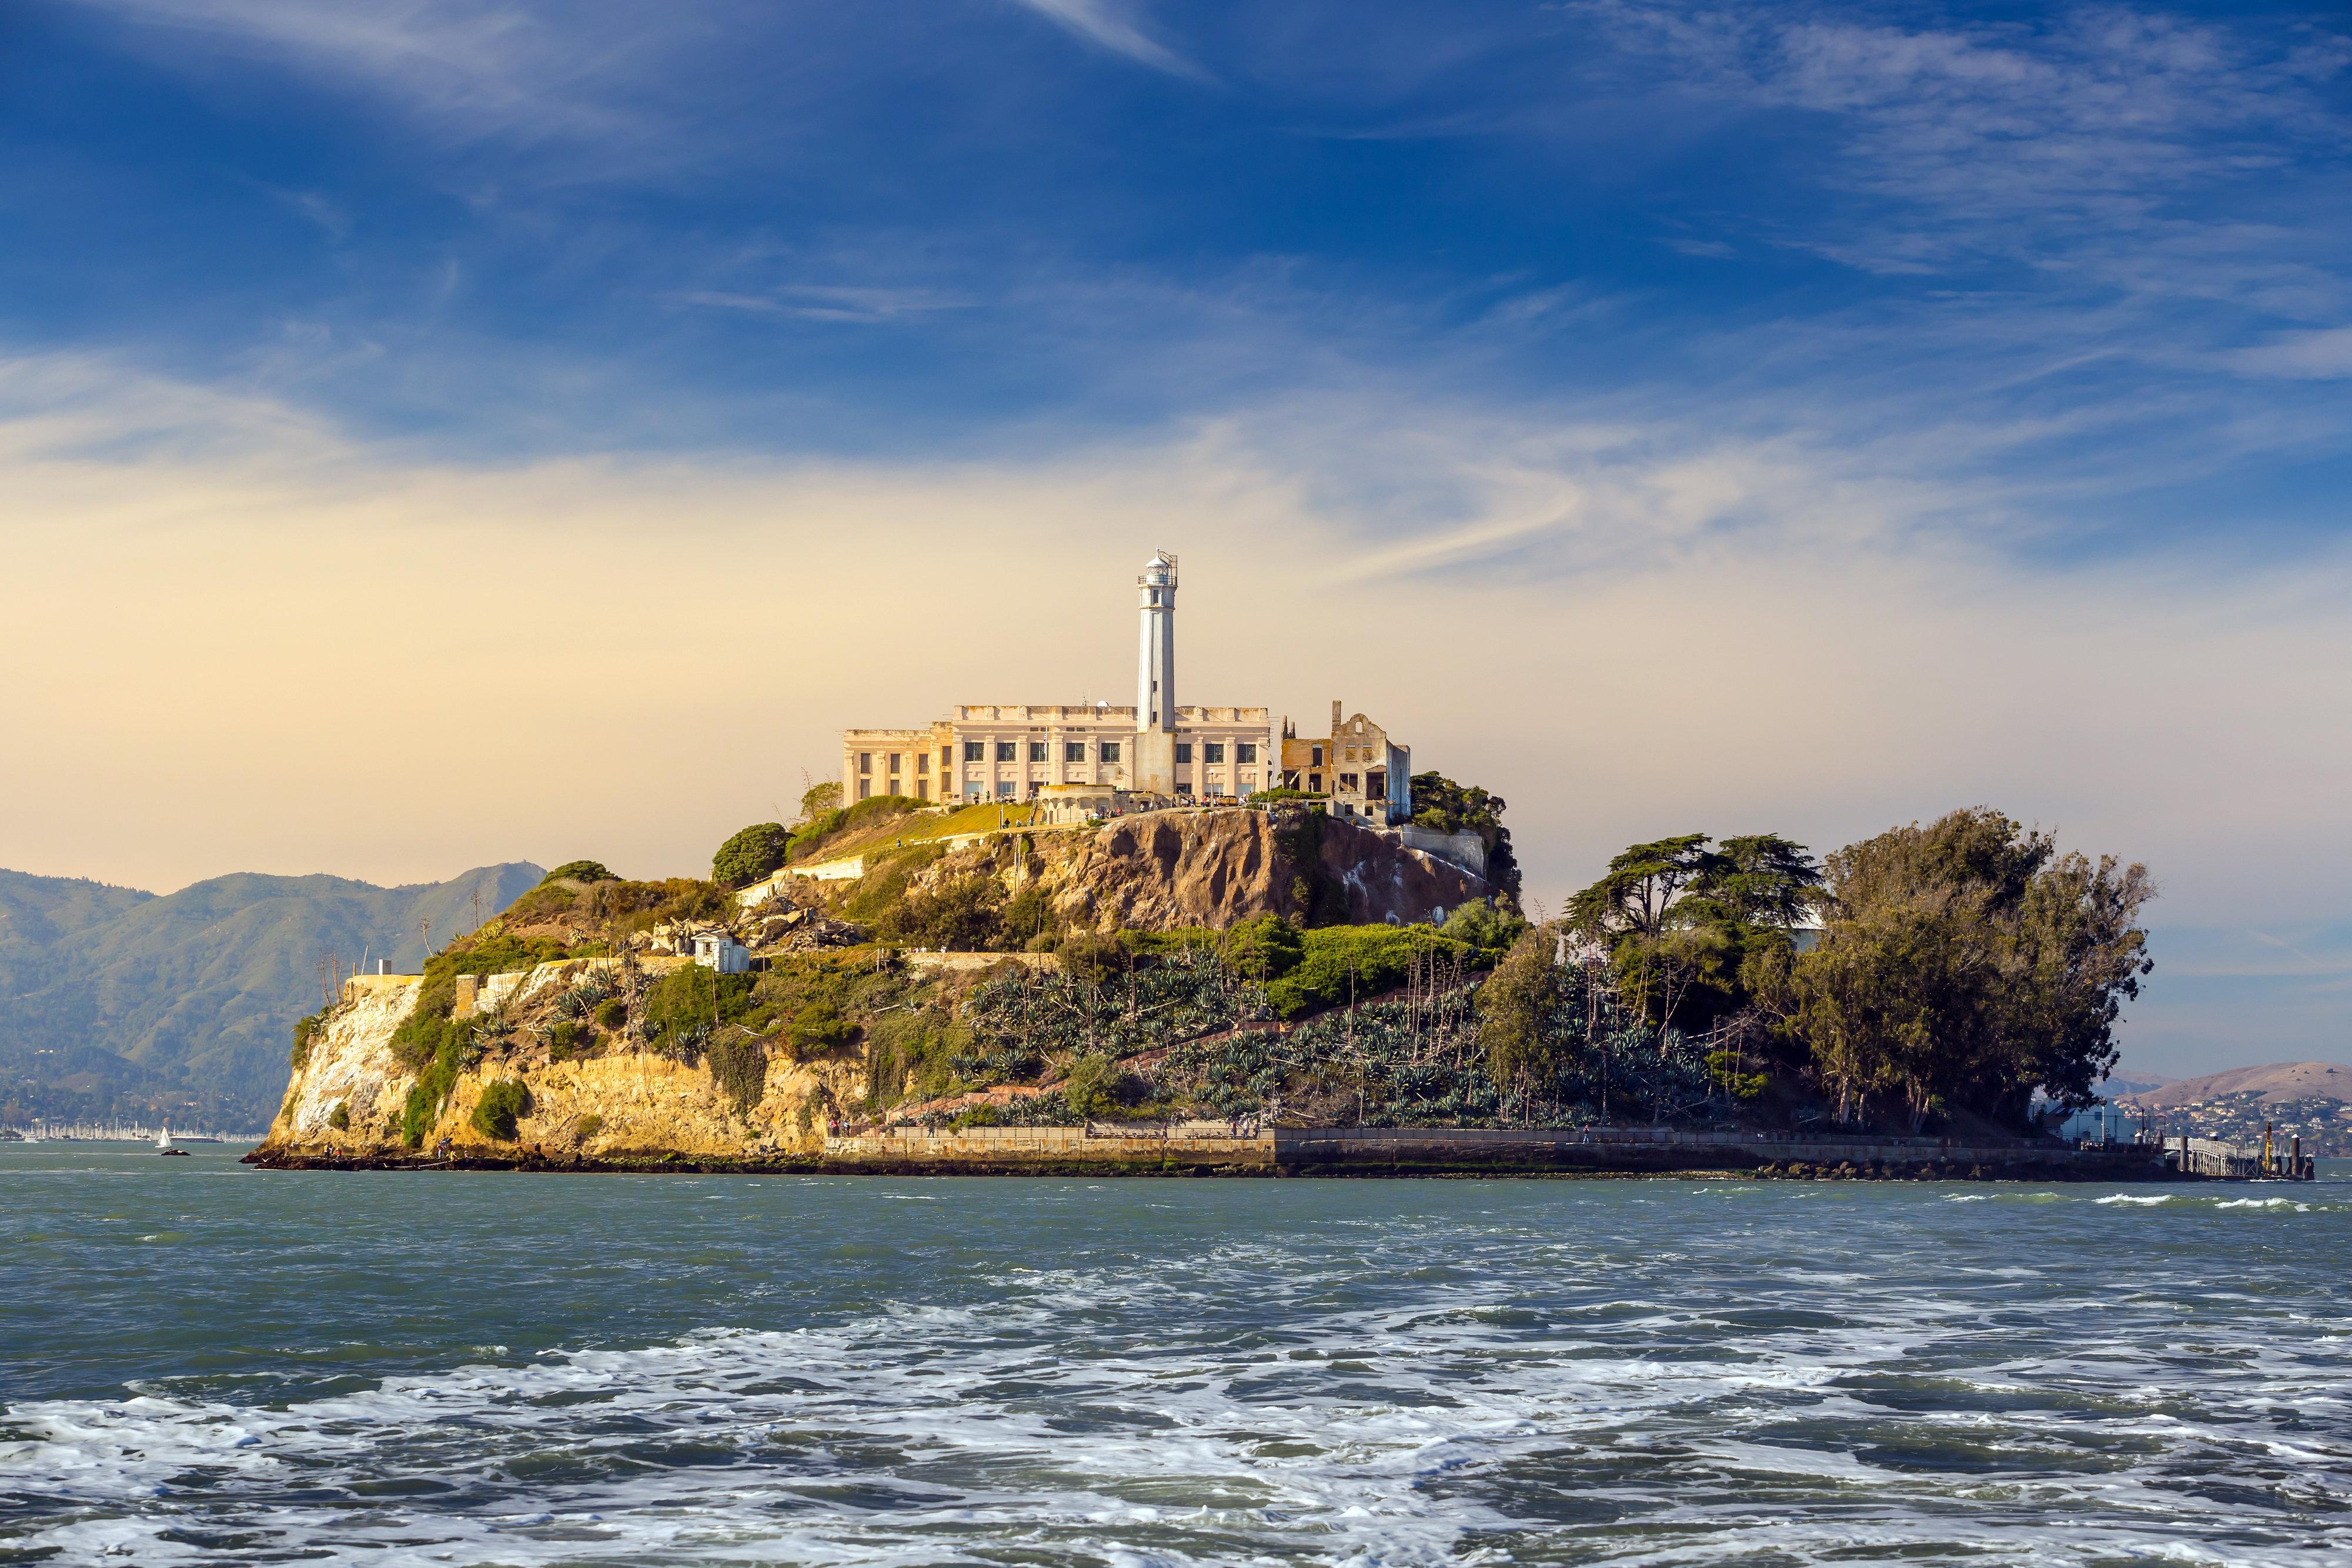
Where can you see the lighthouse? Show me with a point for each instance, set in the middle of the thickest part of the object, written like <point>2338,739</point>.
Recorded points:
<point>1155,676</point>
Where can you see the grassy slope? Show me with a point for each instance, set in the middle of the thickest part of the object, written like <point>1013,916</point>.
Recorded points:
<point>920,828</point>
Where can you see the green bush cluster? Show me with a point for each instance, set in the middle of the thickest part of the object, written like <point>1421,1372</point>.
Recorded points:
<point>739,1067</point>
<point>1338,964</point>
<point>305,1031</point>
<point>502,1105</point>
<point>749,855</point>
<point>339,1118</point>
<point>579,871</point>
<point>587,1127</point>
<point>914,1055</point>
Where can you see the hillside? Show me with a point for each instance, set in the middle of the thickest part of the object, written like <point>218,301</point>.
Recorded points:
<point>2278,1083</point>
<point>115,1001</point>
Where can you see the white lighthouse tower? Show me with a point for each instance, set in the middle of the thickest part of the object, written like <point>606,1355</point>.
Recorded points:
<point>1155,677</point>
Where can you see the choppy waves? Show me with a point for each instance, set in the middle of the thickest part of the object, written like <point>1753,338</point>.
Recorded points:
<point>1761,1384</point>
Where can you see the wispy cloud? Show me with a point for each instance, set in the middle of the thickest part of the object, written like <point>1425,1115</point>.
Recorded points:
<point>2324,355</point>
<point>2075,141</point>
<point>470,70</point>
<point>813,302</point>
<point>1108,25</point>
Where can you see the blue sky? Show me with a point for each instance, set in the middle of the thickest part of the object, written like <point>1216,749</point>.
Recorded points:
<point>2029,323</point>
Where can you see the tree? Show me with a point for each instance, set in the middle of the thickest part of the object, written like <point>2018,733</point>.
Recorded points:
<point>1965,966</point>
<point>750,855</point>
<point>579,871</point>
<point>817,800</point>
<point>1680,923</point>
<point>1518,1012</point>
<point>1641,886</point>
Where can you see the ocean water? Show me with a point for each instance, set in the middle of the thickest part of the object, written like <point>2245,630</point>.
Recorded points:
<point>201,1363</point>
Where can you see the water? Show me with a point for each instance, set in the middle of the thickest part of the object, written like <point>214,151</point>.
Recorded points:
<point>205,1364</point>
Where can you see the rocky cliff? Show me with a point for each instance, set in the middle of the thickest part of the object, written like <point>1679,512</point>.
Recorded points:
<point>1162,870</point>
<point>619,1105</point>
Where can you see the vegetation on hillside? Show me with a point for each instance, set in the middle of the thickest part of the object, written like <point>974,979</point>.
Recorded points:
<point>1442,806</point>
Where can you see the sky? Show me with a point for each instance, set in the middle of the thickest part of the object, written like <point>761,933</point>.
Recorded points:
<point>434,433</point>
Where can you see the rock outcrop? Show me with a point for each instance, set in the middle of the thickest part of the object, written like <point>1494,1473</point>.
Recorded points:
<point>623,1105</point>
<point>1214,868</point>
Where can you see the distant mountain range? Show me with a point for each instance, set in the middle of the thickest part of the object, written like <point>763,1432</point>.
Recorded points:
<point>115,1002</point>
<point>2279,1082</point>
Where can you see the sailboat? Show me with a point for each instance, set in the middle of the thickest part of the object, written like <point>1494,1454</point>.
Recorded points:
<point>163,1144</point>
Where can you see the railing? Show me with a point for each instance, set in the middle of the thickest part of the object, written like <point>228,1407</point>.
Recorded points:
<point>2238,1162</point>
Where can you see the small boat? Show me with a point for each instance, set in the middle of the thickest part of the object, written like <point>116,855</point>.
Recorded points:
<point>163,1144</point>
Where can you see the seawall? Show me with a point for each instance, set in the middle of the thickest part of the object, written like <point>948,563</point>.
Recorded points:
<point>1197,1150</point>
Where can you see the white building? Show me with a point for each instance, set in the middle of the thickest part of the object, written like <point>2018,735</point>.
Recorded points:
<point>1013,751</point>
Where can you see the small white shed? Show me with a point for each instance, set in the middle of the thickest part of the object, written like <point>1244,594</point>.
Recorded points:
<point>717,950</point>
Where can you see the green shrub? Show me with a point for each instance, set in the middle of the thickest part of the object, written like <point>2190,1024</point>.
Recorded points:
<point>910,1055</point>
<point>1029,917</point>
<point>1091,1086</point>
<point>305,1031</point>
<point>437,1076</point>
<point>1341,964</point>
<point>1091,956</point>
<point>883,889</point>
<point>810,835</point>
<point>563,1040</point>
<point>579,871</point>
<point>692,998</point>
<point>818,1028</point>
<point>740,1068</point>
<point>1480,924</point>
<point>750,855</point>
<point>339,1118</point>
<point>1263,948</point>
<point>984,1115</point>
<point>501,1104</point>
<point>587,1127</point>
<point>961,915</point>
<point>611,1012</point>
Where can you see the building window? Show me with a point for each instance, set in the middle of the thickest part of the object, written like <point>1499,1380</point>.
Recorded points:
<point>894,764</point>
<point>975,751</point>
<point>1110,751</point>
<point>1184,786</point>
<point>865,762</point>
<point>947,757</point>
<point>923,763</point>
<point>1376,783</point>
<point>1347,781</point>
<point>1315,783</point>
<point>973,788</point>
<point>865,787</point>
<point>1004,788</point>
<point>1316,760</point>
<point>1246,782</point>
<point>923,788</point>
<point>1245,751</point>
<point>1074,751</point>
<point>1183,752</point>
<point>1037,751</point>
<point>1008,751</point>
<point>1213,751</point>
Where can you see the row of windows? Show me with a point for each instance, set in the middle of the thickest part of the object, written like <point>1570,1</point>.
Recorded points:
<point>1072,751</point>
<point>977,788</point>
<point>1010,750</point>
